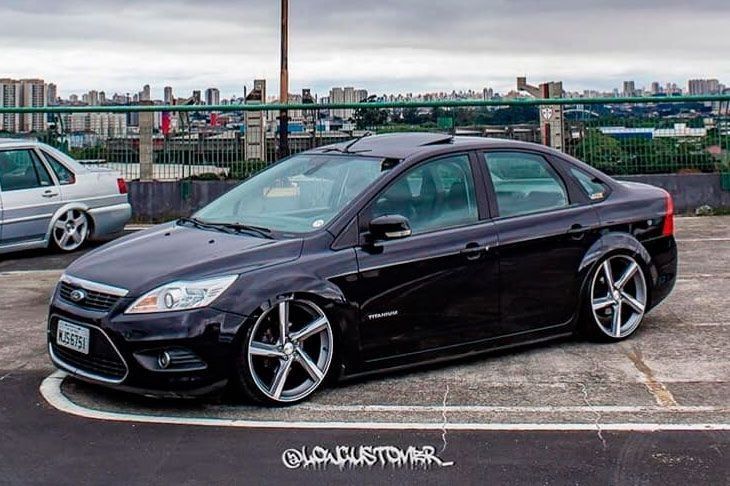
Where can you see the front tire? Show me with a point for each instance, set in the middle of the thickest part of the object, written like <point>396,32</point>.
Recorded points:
<point>286,355</point>
<point>617,298</point>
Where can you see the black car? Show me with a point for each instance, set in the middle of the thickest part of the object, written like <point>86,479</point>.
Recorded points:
<point>365,256</point>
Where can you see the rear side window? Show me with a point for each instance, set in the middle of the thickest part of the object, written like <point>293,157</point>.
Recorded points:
<point>64,175</point>
<point>595,189</point>
<point>22,169</point>
<point>525,183</point>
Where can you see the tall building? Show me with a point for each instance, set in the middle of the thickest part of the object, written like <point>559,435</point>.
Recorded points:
<point>52,92</point>
<point>9,98</point>
<point>255,147</point>
<point>196,96</point>
<point>629,88</point>
<point>168,95</point>
<point>346,95</point>
<point>146,93</point>
<point>704,86</point>
<point>33,94</point>
<point>212,96</point>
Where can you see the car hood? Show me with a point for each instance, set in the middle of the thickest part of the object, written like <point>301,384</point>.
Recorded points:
<point>147,259</point>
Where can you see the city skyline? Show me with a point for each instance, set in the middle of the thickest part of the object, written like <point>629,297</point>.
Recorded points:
<point>409,47</point>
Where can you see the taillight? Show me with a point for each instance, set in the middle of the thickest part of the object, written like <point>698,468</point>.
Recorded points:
<point>668,228</point>
<point>122,185</point>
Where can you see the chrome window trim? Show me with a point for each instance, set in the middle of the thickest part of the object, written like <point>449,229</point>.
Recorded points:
<point>76,371</point>
<point>94,286</point>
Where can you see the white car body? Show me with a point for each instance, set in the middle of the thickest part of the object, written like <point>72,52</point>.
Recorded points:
<point>39,200</point>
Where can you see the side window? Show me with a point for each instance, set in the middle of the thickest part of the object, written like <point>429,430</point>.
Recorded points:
<point>595,189</point>
<point>21,169</point>
<point>63,174</point>
<point>524,183</point>
<point>435,195</point>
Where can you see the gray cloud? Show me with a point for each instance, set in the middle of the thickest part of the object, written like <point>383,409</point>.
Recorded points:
<point>405,45</point>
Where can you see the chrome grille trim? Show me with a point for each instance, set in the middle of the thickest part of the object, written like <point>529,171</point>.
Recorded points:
<point>94,286</point>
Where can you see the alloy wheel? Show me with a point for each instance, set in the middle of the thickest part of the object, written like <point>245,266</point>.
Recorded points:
<point>290,350</point>
<point>70,230</point>
<point>618,296</point>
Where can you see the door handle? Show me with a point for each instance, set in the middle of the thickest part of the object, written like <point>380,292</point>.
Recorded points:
<point>577,231</point>
<point>50,194</point>
<point>473,250</point>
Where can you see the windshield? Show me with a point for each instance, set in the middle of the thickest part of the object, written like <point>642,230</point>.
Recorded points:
<point>300,194</point>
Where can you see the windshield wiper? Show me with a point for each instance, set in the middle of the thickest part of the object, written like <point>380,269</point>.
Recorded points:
<point>229,227</point>
<point>259,230</point>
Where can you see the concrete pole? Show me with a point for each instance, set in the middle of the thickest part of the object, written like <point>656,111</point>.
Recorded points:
<point>146,147</point>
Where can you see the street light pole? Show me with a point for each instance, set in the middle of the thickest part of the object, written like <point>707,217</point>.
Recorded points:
<point>284,81</point>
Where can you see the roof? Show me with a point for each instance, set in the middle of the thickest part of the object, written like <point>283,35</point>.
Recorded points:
<point>402,145</point>
<point>17,141</point>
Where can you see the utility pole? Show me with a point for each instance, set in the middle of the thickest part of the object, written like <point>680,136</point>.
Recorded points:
<point>284,81</point>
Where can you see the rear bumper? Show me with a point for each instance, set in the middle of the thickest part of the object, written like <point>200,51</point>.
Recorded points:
<point>110,220</point>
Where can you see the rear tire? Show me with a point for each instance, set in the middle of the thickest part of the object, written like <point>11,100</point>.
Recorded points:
<point>71,230</point>
<point>286,355</point>
<point>616,299</point>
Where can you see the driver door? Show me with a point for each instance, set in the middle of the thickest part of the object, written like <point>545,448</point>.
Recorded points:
<point>437,287</point>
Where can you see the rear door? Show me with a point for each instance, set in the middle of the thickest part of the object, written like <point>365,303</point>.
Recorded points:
<point>30,196</point>
<point>545,230</point>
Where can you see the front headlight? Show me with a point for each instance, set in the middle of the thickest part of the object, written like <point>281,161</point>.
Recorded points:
<point>181,295</point>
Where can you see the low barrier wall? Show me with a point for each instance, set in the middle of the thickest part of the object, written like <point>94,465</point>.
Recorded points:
<point>161,201</point>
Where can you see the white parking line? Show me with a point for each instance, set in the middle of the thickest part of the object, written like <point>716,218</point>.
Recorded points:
<point>51,391</point>
<point>700,240</point>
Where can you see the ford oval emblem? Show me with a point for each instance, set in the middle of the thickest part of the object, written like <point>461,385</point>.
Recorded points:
<point>77,295</point>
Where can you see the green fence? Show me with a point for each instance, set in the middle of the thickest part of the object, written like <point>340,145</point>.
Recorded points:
<point>617,135</point>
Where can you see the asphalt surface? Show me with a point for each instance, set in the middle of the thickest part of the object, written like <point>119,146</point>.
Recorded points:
<point>673,372</point>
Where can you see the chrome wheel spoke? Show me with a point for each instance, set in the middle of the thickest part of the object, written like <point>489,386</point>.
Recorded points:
<point>280,379</point>
<point>628,274</point>
<point>80,221</point>
<point>283,321</point>
<point>602,303</point>
<point>632,302</point>
<point>266,350</point>
<point>309,365</point>
<point>616,320</point>
<point>60,225</point>
<point>310,329</point>
<point>607,273</point>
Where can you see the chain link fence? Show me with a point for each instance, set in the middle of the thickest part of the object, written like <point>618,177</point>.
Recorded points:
<point>619,136</point>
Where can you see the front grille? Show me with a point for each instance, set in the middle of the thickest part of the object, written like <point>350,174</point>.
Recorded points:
<point>94,301</point>
<point>103,361</point>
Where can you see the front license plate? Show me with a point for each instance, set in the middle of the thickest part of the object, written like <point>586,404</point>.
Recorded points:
<point>73,337</point>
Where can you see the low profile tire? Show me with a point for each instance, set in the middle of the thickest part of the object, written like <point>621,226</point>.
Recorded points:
<point>71,230</point>
<point>617,299</point>
<point>287,354</point>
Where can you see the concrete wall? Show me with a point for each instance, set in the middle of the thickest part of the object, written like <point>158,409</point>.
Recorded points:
<point>154,201</point>
<point>689,191</point>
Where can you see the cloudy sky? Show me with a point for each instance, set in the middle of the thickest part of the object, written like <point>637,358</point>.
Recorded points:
<point>385,46</point>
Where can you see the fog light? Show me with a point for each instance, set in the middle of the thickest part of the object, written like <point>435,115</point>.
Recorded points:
<point>164,360</point>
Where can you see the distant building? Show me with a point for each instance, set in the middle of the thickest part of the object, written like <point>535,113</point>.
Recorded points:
<point>33,94</point>
<point>212,96</point>
<point>629,89</point>
<point>9,98</point>
<point>52,94</point>
<point>168,95</point>
<point>346,95</point>
<point>146,93</point>
<point>704,87</point>
<point>256,123</point>
<point>196,97</point>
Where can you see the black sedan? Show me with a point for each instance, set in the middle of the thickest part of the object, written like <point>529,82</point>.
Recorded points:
<point>366,256</point>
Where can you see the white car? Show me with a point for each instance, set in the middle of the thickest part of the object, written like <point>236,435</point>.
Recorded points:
<point>49,199</point>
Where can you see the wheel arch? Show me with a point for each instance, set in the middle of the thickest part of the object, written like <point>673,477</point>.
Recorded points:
<point>614,243</point>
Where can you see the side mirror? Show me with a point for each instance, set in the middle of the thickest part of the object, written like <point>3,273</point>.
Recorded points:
<point>389,227</point>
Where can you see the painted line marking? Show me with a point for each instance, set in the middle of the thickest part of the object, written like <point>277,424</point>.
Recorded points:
<point>51,391</point>
<point>699,240</point>
<point>50,273</point>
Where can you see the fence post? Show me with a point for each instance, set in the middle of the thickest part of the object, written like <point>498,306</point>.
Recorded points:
<point>146,147</point>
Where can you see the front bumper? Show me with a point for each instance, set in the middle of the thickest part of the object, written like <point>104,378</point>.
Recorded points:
<point>124,349</point>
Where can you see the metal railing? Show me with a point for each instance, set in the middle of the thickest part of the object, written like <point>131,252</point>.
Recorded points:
<point>162,142</point>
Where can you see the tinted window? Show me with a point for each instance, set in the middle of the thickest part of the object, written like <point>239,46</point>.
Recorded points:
<point>435,195</point>
<point>64,175</point>
<point>525,183</point>
<point>595,189</point>
<point>21,169</point>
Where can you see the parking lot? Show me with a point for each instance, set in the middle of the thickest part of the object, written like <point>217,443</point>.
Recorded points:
<point>671,376</point>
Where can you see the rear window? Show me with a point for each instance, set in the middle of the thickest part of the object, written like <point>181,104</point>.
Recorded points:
<point>64,175</point>
<point>594,187</point>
